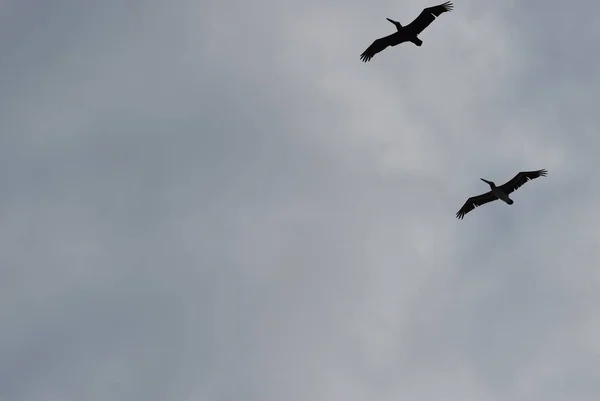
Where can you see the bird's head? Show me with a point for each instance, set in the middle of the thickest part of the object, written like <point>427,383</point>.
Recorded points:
<point>490,183</point>
<point>396,23</point>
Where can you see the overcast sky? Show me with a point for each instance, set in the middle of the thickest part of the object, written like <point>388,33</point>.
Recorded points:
<point>218,201</point>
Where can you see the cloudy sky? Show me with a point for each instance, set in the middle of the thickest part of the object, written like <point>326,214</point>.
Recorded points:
<point>217,201</point>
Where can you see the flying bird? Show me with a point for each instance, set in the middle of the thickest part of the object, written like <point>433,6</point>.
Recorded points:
<point>500,192</point>
<point>407,33</point>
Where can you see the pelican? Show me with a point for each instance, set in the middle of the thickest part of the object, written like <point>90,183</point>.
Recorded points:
<point>500,192</point>
<point>407,33</point>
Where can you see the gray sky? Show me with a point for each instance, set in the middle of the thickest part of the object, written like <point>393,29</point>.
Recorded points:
<point>217,201</point>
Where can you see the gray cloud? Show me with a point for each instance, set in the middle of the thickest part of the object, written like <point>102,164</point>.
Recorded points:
<point>219,201</point>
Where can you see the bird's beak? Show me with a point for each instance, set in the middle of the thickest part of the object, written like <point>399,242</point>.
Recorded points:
<point>486,181</point>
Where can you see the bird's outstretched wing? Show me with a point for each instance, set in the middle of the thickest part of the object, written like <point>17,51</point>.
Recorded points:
<point>427,16</point>
<point>377,46</point>
<point>474,202</point>
<point>520,179</point>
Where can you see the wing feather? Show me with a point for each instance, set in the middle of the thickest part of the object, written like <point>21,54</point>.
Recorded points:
<point>520,179</point>
<point>378,46</point>
<point>475,201</point>
<point>427,16</point>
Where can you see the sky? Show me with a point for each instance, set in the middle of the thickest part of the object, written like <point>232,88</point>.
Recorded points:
<point>218,201</point>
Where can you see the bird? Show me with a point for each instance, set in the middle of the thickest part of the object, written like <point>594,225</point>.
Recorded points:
<point>407,33</point>
<point>500,192</point>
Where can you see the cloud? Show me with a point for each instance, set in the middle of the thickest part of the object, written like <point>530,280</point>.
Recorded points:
<point>211,201</point>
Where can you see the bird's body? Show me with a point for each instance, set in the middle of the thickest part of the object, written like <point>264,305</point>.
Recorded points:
<point>498,193</point>
<point>501,192</point>
<point>407,33</point>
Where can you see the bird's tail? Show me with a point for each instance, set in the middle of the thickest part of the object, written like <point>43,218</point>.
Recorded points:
<point>417,41</point>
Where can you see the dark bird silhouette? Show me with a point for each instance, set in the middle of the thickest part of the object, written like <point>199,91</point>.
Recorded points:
<point>407,33</point>
<point>500,192</point>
